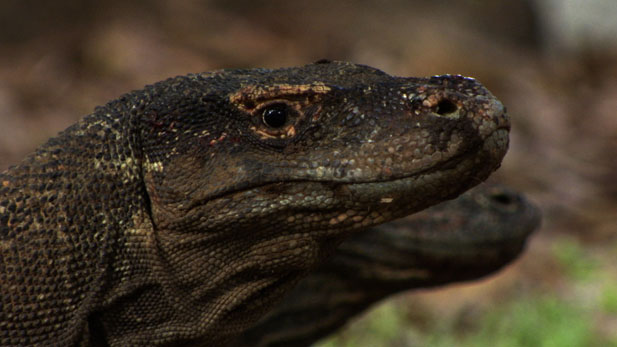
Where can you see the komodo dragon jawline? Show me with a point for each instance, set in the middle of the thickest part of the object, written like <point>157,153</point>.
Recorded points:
<point>178,214</point>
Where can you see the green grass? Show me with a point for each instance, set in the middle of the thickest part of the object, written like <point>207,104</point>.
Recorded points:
<point>578,265</point>
<point>609,299</point>
<point>540,322</point>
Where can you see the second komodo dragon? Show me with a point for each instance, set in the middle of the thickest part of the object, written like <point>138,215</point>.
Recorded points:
<point>180,213</point>
<point>458,240</point>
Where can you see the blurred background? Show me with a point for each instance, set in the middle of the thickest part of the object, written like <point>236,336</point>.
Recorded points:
<point>552,63</point>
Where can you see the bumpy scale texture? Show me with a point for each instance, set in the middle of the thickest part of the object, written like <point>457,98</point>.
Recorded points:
<point>464,239</point>
<point>180,213</point>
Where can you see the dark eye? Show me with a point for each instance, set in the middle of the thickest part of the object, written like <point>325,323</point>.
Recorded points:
<point>275,116</point>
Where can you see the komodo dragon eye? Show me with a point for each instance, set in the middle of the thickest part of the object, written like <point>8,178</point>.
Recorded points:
<point>275,116</point>
<point>277,120</point>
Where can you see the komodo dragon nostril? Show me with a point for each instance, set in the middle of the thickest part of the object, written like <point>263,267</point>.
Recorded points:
<point>445,108</point>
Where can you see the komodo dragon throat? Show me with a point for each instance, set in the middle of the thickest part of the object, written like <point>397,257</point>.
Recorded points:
<point>178,214</point>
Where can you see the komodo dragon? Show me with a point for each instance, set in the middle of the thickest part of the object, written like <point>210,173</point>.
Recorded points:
<point>180,213</point>
<point>463,239</point>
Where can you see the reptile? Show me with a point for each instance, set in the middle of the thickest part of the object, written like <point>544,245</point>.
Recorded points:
<point>459,240</point>
<point>180,213</point>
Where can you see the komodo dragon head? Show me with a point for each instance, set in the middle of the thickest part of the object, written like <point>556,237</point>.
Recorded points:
<point>184,210</point>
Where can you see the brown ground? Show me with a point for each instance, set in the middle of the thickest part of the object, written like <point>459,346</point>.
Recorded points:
<point>59,60</point>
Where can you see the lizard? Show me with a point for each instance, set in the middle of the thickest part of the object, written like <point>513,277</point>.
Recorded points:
<point>178,214</point>
<point>468,238</point>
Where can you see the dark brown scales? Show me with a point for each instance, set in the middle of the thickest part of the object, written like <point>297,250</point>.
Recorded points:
<point>178,214</point>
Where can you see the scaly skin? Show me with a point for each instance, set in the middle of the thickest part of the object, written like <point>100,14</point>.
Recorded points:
<point>464,239</point>
<point>178,214</point>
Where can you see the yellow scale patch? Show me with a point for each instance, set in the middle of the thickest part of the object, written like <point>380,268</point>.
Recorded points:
<point>256,94</point>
